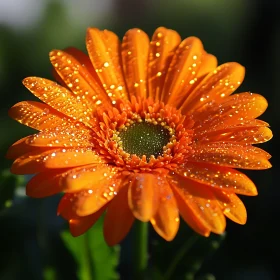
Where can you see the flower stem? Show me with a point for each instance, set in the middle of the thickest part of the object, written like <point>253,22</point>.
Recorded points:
<point>180,254</point>
<point>140,256</point>
<point>87,258</point>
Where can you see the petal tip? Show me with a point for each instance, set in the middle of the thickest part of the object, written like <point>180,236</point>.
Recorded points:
<point>266,165</point>
<point>206,234</point>
<point>53,52</point>
<point>254,192</point>
<point>73,230</point>
<point>25,81</point>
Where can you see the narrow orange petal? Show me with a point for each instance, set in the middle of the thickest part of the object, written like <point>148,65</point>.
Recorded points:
<point>189,216</point>
<point>162,49</point>
<point>222,178</point>
<point>88,177</point>
<point>58,98</point>
<point>37,115</point>
<point>71,158</point>
<point>78,79</point>
<point>208,63</point>
<point>182,72</point>
<point>104,52</point>
<point>236,109</point>
<point>238,134</point>
<point>232,206</point>
<point>143,196</point>
<point>69,134</point>
<point>166,220</point>
<point>135,50</point>
<point>56,158</point>
<point>58,79</point>
<point>70,180</point>
<point>74,135</point>
<point>81,225</point>
<point>21,147</point>
<point>66,208</point>
<point>217,85</point>
<point>84,60</point>
<point>252,123</point>
<point>78,225</point>
<point>231,155</point>
<point>118,218</point>
<point>201,202</point>
<point>89,201</point>
<point>44,184</point>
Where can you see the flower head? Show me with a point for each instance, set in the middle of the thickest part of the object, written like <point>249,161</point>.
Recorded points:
<point>142,129</point>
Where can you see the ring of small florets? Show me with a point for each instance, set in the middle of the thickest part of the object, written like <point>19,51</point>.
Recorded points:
<point>169,127</point>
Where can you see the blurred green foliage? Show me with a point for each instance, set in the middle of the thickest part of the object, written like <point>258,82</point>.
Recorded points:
<point>94,258</point>
<point>8,184</point>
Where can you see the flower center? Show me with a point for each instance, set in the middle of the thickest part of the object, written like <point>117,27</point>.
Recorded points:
<point>143,138</point>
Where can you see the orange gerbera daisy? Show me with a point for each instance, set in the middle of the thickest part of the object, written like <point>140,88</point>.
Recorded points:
<point>141,129</point>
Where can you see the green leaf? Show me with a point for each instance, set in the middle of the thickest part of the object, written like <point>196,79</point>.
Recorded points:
<point>8,184</point>
<point>95,259</point>
<point>49,273</point>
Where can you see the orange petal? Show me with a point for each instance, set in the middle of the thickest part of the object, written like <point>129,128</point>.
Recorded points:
<point>166,220</point>
<point>240,135</point>
<point>217,85</point>
<point>208,63</point>
<point>231,155</point>
<point>162,49</point>
<point>118,219</point>
<point>57,158</point>
<point>58,98</point>
<point>66,208</point>
<point>84,60</point>
<point>37,115</point>
<point>200,200</point>
<point>89,201</point>
<point>135,50</point>
<point>104,52</point>
<point>78,79</point>
<point>252,123</point>
<point>237,109</point>
<point>76,179</point>
<point>223,178</point>
<point>190,217</point>
<point>81,225</point>
<point>232,206</point>
<point>44,184</point>
<point>78,225</point>
<point>58,78</point>
<point>75,135</point>
<point>21,147</point>
<point>88,177</point>
<point>182,72</point>
<point>143,196</point>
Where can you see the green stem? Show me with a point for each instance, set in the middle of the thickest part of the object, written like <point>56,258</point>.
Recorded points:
<point>180,254</point>
<point>89,271</point>
<point>140,246</point>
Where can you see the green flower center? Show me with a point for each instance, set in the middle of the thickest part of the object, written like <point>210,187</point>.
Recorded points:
<point>143,138</point>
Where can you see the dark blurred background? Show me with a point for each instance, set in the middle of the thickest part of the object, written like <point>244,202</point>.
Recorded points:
<point>234,30</point>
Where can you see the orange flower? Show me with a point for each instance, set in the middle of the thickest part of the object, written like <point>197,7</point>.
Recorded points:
<point>145,130</point>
